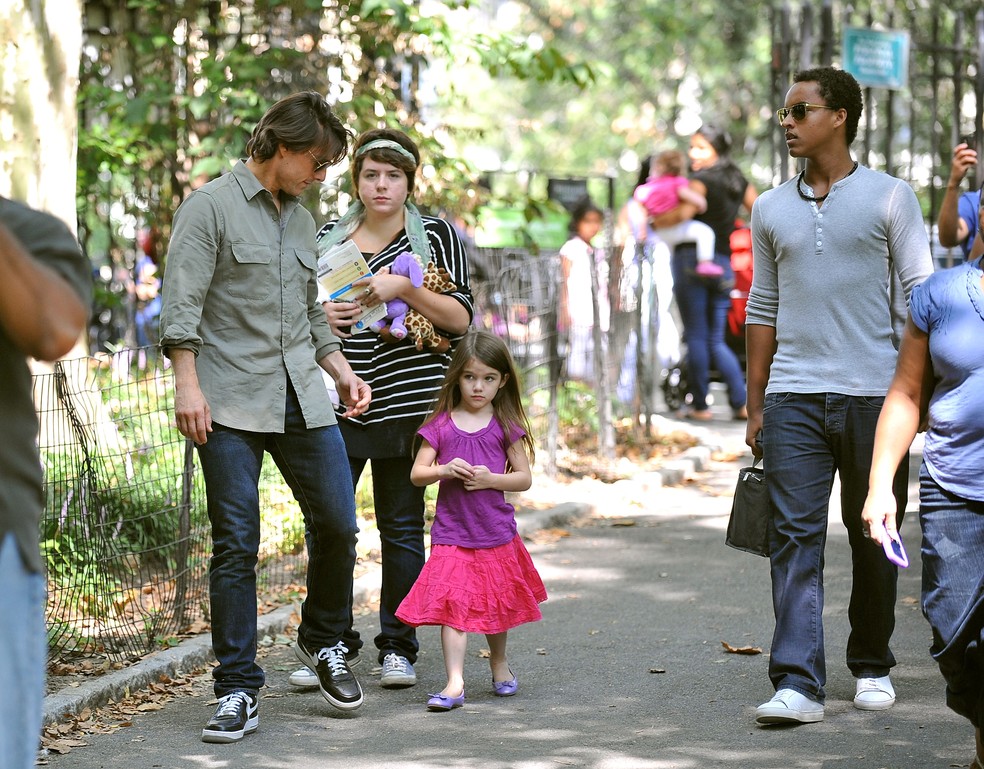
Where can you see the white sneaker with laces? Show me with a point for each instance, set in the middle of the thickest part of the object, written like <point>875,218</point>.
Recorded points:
<point>397,672</point>
<point>304,678</point>
<point>874,694</point>
<point>788,706</point>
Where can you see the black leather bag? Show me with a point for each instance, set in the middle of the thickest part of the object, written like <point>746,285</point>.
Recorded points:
<point>751,512</point>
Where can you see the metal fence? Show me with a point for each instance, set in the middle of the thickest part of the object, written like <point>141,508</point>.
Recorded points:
<point>125,532</point>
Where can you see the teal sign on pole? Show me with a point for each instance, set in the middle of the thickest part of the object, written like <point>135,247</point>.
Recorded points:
<point>877,59</point>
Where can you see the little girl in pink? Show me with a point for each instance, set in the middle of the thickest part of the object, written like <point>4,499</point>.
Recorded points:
<point>479,577</point>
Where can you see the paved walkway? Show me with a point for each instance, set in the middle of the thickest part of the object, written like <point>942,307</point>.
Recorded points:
<point>626,671</point>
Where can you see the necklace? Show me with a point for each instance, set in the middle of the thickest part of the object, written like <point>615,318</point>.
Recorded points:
<point>810,198</point>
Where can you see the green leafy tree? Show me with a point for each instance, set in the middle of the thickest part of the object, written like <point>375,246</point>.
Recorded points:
<point>169,93</point>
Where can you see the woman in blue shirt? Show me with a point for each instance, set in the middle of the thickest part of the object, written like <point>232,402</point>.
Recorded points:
<point>940,378</point>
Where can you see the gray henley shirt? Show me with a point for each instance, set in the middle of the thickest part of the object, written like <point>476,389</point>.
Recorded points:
<point>834,281</point>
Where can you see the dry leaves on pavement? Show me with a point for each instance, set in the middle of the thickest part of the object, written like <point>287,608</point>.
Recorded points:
<point>740,649</point>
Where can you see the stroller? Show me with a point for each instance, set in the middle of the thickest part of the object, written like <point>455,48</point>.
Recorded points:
<point>674,385</point>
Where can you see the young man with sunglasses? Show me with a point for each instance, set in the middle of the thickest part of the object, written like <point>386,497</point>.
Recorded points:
<point>837,250</point>
<point>246,337</point>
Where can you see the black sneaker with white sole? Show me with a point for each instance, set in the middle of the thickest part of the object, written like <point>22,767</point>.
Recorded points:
<point>305,678</point>
<point>236,716</point>
<point>337,683</point>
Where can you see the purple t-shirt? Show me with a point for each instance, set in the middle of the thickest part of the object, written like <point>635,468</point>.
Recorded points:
<point>949,307</point>
<point>475,519</point>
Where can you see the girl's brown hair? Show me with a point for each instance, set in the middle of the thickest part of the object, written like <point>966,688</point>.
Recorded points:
<point>507,406</point>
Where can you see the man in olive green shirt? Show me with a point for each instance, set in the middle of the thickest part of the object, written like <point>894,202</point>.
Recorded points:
<point>246,336</point>
<point>44,304</point>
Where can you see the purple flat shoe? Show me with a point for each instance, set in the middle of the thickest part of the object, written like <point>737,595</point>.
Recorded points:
<point>506,688</point>
<point>441,703</point>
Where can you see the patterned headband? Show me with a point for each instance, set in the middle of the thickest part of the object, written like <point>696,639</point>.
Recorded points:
<point>386,144</point>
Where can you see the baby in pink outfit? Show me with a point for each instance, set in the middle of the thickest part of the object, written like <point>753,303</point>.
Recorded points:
<point>667,188</point>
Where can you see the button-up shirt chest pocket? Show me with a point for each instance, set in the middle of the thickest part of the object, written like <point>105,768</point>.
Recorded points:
<point>249,272</point>
<point>309,266</point>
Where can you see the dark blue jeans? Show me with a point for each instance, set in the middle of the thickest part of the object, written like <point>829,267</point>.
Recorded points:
<point>806,439</point>
<point>399,507</point>
<point>313,464</point>
<point>953,592</point>
<point>704,311</point>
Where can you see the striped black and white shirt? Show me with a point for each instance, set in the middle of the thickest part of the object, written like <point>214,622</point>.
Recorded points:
<point>404,381</point>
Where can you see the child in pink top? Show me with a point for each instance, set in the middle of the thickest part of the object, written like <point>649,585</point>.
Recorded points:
<point>479,577</point>
<point>665,189</point>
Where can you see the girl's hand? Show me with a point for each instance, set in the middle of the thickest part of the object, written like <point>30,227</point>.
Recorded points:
<point>341,316</point>
<point>460,469</point>
<point>482,478</point>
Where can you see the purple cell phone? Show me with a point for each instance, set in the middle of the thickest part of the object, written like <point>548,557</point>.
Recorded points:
<point>895,552</point>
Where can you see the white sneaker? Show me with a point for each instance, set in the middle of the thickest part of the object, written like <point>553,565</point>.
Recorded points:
<point>789,706</point>
<point>304,677</point>
<point>397,672</point>
<point>874,694</point>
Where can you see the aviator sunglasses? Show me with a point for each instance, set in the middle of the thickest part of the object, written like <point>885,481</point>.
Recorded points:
<point>319,164</point>
<point>798,111</point>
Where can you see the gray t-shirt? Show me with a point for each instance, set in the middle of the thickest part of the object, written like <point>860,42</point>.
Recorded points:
<point>833,281</point>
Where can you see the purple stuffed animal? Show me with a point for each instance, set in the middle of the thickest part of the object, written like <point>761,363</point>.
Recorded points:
<point>396,309</point>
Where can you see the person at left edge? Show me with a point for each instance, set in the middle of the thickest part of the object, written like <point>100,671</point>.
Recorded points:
<point>44,298</point>
<point>246,335</point>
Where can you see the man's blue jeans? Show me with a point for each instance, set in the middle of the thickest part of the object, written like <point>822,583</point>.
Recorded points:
<point>806,438</point>
<point>399,507</point>
<point>23,647</point>
<point>704,312</point>
<point>313,463</point>
<point>953,592</point>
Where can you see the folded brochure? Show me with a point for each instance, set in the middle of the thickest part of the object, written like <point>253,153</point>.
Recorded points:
<point>338,268</point>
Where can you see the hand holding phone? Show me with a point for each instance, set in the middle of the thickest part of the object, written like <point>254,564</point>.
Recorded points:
<point>894,551</point>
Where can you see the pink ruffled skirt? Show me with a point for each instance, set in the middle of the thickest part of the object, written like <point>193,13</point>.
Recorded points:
<point>475,590</point>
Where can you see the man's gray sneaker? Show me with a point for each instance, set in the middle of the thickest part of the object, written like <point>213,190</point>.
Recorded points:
<point>397,672</point>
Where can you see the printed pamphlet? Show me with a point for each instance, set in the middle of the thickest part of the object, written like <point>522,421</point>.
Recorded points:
<point>338,268</point>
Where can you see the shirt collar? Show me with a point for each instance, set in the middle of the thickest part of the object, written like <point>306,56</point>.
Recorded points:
<point>251,186</point>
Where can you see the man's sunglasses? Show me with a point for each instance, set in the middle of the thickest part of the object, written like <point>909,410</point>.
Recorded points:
<point>798,111</point>
<point>318,164</point>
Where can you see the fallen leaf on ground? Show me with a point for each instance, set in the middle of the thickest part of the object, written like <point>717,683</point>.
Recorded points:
<point>740,649</point>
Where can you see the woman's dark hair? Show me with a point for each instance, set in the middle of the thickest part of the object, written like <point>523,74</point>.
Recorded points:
<point>644,166</point>
<point>717,137</point>
<point>580,210</point>
<point>839,90</point>
<point>387,155</point>
<point>299,122</point>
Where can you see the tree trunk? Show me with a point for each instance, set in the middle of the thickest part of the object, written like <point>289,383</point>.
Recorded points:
<point>39,76</point>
